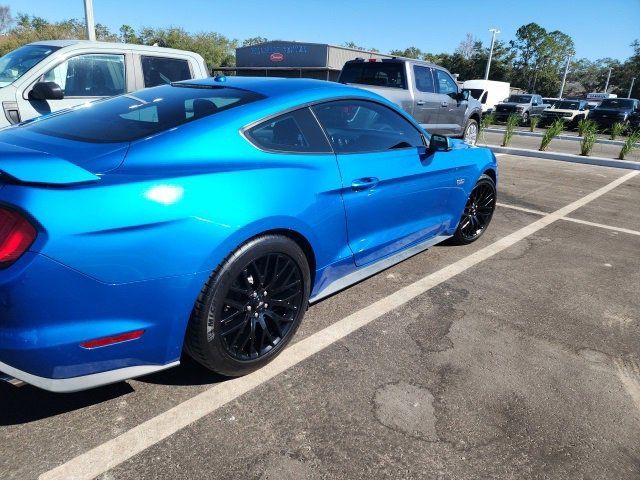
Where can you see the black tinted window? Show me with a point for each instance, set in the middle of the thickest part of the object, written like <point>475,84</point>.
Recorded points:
<point>159,70</point>
<point>143,113</point>
<point>383,74</point>
<point>295,131</point>
<point>424,79</point>
<point>357,126</point>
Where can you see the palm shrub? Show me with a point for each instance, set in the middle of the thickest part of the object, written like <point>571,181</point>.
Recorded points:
<point>553,131</point>
<point>589,136</point>
<point>617,129</point>
<point>486,122</point>
<point>583,125</point>
<point>533,123</point>
<point>629,144</point>
<point>512,122</point>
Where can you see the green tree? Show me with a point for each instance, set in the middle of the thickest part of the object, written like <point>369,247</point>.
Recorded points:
<point>128,34</point>
<point>253,41</point>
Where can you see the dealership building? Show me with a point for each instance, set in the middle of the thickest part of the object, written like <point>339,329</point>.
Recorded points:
<point>295,59</point>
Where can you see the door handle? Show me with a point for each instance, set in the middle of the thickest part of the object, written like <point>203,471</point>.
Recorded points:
<point>420,102</point>
<point>365,183</point>
<point>444,104</point>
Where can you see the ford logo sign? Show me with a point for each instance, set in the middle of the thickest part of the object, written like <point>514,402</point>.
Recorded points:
<point>276,57</point>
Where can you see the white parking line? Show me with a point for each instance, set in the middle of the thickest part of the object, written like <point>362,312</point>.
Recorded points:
<point>120,449</point>
<point>570,219</point>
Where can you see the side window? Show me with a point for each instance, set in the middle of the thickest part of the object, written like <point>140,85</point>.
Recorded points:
<point>424,79</point>
<point>445,83</point>
<point>160,70</point>
<point>355,126</point>
<point>483,100</point>
<point>297,131</point>
<point>93,75</point>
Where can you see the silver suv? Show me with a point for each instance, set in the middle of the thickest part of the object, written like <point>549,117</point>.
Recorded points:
<point>424,90</point>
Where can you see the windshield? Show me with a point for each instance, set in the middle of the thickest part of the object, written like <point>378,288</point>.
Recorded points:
<point>476,93</point>
<point>519,99</point>
<point>567,105</point>
<point>382,74</point>
<point>17,62</point>
<point>139,114</point>
<point>618,103</point>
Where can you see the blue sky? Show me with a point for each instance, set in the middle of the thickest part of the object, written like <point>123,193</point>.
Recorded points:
<point>600,28</point>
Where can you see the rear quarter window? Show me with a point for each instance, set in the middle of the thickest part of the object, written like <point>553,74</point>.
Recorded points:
<point>380,74</point>
<point>161,70</point>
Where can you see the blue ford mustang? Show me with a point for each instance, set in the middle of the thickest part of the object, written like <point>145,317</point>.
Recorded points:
<point>204,217</point>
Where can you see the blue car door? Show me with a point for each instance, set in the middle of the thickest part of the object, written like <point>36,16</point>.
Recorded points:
<point>394,196</point>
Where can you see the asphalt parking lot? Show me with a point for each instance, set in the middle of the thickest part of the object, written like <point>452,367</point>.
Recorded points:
<point>515,357</point>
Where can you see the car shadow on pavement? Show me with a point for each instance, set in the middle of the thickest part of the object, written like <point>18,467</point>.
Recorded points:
<point>189,372</point>
<point>26,404</point>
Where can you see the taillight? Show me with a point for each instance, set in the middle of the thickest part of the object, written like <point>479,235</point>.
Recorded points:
<point>16,236</point>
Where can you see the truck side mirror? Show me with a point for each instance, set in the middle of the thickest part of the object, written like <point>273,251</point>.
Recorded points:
<point>46,91</point>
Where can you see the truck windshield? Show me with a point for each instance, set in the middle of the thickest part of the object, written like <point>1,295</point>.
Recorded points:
<point>619,103</point>
<point>17,62</point>
<point>567,105</point>
<point>380,74</point>
<point>519,99</point>
<point>477,93</point>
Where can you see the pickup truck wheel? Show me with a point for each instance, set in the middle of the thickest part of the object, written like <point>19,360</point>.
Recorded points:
<point>525,118</point>
<point>470,134</point>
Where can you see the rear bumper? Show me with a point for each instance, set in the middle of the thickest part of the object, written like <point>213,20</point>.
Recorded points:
<point>47,310</point>
<point>84,382</point>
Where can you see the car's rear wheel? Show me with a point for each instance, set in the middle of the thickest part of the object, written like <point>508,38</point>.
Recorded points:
<point>477,213</point>
<point>525,118</point>
<point>251,306</point>
<point>470,134</point>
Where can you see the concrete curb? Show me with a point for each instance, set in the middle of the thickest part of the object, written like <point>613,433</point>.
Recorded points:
<point>572,138</point>
<point>565,157</point>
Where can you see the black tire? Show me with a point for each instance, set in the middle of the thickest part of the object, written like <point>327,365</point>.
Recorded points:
<point>479,215</point>
<point>244,296</point>
<point>525,118</point>
<point>471,130</point>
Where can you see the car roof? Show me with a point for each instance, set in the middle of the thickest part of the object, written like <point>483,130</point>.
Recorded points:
<point>98,44</point>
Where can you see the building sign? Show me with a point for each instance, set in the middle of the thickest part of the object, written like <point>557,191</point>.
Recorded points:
<point>284,54</point>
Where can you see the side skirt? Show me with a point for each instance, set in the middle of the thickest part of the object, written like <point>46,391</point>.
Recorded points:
<point>373,268</point>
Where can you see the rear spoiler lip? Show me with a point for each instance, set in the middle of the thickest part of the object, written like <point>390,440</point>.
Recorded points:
<point>26,165</point>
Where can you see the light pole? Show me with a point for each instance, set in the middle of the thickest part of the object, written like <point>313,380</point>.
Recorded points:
<point>494,32</point>
<point>633,80</point>
<point>606,85</point>
<point>88,17</point>
<point>564,77</point>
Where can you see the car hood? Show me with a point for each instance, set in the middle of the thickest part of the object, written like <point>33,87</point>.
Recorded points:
<point>611,111</point>
<point>509,104</point>
<point>95,158</point>
<point>560,110</point>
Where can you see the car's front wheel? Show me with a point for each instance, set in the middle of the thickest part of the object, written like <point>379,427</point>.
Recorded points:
<point>477,213</point>
<point>250,307</point>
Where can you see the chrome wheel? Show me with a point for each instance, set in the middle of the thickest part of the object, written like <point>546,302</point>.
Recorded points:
<point>471,133</point>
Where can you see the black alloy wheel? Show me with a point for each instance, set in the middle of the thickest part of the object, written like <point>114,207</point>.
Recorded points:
<point>260,306</point>
<point>250,307</point>
<point>477,213</point>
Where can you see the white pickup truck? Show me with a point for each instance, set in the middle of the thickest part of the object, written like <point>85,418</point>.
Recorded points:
<point>47,76</point>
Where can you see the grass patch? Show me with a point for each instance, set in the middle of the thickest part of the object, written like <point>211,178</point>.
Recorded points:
<point>533,123</point>
<point>589,136</point>
<point>617,129</point>
<point>486,121</point>
<point>584,125</point>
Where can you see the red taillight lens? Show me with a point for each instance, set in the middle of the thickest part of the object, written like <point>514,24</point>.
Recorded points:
<point>16,236</point>
<point>104,341</point>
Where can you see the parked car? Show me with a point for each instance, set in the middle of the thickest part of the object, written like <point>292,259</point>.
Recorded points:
<point>524,105</point>
<point>614,110</point>
<point>569,111</point>
<point>488,92</point>
<point>44,77</point>
<point>206,218</point>
<point>424,90</point>
<point>550,101</point>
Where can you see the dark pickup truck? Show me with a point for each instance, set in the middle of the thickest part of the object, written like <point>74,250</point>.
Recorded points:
<point>525,105</point>
<point>616,110</point>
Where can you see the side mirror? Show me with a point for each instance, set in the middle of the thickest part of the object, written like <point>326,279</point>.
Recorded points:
<point>462,95</point>
<point>439,143</point>
<point>46,91</point>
